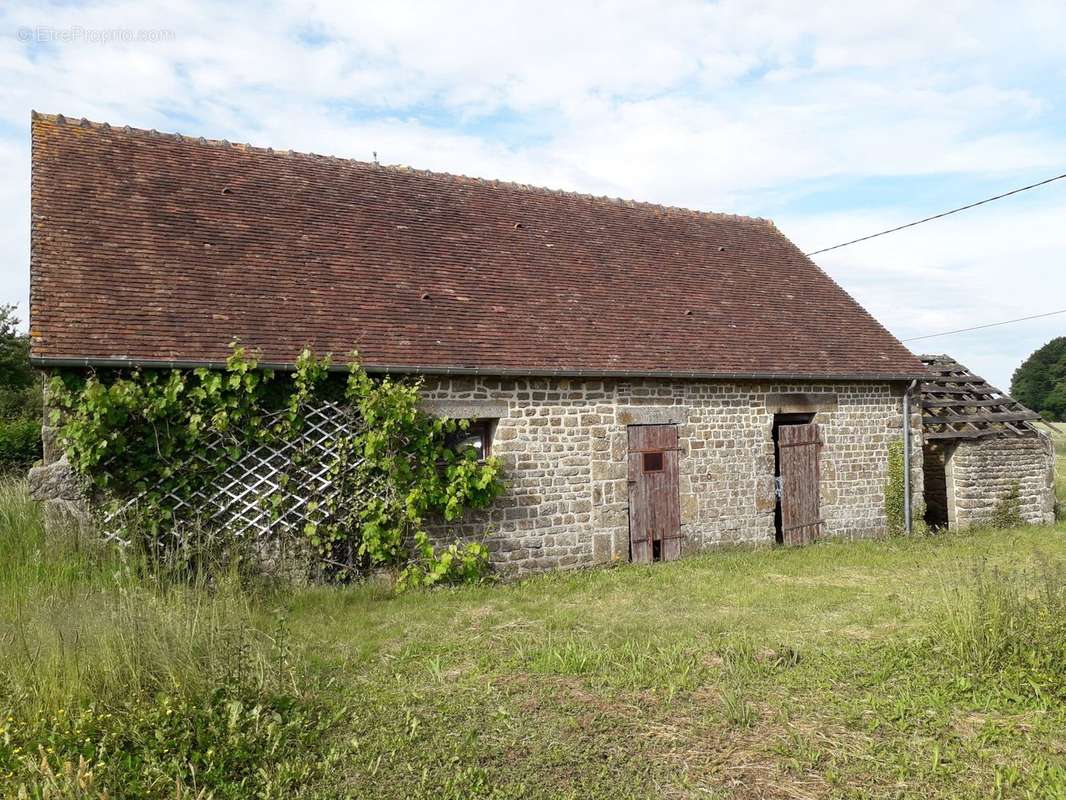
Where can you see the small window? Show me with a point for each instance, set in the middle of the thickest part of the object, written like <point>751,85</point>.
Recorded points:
<point>653,462</point>
<point>478,436</point>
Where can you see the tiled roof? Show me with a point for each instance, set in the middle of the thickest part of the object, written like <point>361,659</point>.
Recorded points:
<point>154,248</point>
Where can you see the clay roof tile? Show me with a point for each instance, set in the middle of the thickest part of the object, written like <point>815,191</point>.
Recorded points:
<point>324,252</point>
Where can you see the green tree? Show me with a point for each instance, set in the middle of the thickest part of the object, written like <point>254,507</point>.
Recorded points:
<point>15,370</point>
<point>20,397</point>
<point>1040,382</point>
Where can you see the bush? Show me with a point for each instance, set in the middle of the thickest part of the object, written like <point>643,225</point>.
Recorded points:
<point>20,444</point>
<point>459,563</point>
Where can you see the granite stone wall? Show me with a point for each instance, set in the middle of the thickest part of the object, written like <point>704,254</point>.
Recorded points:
<point>563,444</point>
<point>982,472</point>
<point>53,482</point>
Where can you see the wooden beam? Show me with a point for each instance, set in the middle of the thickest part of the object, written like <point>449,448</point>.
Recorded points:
<point>934,403</point>
<point>1008,416</point>
<point>937,389</point>
<point>958,377</point>
<point>964,434</point>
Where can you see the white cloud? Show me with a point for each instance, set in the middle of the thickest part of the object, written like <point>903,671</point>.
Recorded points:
<point>736,106</point>
<point>978,267</point>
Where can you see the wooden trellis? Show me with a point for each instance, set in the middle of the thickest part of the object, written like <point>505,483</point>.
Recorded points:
<point>298,477</point>
<point>956,404</point>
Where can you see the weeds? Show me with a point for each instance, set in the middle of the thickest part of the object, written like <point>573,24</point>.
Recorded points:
<point>118,680</point>
<point>739,713</point>
<point>1007,630</point>
<point>624,664</point>
<point>1007,512</point>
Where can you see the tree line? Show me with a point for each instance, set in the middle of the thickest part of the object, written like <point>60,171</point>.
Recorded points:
<point>1040,382</point>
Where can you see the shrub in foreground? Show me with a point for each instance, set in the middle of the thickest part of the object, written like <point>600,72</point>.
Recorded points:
<point>233,742</point>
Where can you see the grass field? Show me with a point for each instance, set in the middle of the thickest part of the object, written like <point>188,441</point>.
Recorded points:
<point>931,668</point>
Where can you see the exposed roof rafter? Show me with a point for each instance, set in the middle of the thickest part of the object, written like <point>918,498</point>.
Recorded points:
<point>956,404</point>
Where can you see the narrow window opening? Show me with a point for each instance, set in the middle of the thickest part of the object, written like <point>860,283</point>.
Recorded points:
<point>478,436</point>
<point>657,550</point>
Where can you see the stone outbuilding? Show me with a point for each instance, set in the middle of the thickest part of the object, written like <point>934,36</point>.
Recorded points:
<point>983,456</point>
<point>654,380</point>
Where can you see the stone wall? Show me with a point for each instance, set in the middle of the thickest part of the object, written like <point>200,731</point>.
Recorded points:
<point>563,445</point>
<point>54,483</point>
<point>982,472</point>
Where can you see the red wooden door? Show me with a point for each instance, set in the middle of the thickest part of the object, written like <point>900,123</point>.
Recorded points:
<point>654,501</point>
<point>798,457</point>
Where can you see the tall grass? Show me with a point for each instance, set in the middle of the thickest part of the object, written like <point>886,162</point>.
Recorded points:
<point>80,623</point>
<point>156,682</point>
<point>24,564</point>
<point>1006,629</point>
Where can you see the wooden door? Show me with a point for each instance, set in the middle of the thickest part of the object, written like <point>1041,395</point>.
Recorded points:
<point>798,447</point>
<point>654,500</point>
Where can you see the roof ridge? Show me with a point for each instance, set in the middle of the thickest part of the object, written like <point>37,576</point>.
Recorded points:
<point>60,119</point>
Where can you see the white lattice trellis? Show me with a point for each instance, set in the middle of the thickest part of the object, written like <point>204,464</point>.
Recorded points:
<point>301,474</point>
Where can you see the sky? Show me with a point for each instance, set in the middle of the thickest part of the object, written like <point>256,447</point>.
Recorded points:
<point>833,119</point>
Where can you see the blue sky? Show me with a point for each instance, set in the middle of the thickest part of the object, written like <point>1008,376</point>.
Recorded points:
<point>833,119</point>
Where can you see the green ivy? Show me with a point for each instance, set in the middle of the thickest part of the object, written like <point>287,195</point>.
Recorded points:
<point>1007,512</point>
<point>458,563</point>
<point>143,433</point>
<point>894,496</point>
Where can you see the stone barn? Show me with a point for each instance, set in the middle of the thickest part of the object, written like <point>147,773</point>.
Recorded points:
<point>655,380</point>
<point>982,455</point>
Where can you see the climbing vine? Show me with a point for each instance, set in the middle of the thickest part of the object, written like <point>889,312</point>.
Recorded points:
<point>143,434</point>
<point>894,496</point>
<point>1007,513</point>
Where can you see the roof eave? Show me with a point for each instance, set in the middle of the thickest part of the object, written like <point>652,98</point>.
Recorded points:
<point>425,369</point>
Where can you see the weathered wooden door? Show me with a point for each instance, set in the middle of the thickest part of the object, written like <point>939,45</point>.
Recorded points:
<point>654,501</point>
<point>798,447</point>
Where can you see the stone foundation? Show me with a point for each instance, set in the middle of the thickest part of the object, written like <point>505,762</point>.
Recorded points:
<point>981,473</point>
<point>564,449</point>
<point>55,484</point>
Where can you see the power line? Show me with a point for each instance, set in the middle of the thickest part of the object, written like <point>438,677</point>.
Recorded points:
<point>938,216</point>
<point>989,325</point>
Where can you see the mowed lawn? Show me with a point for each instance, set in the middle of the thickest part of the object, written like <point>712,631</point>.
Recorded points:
<point>918,668</point>
<point>782,673</point>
